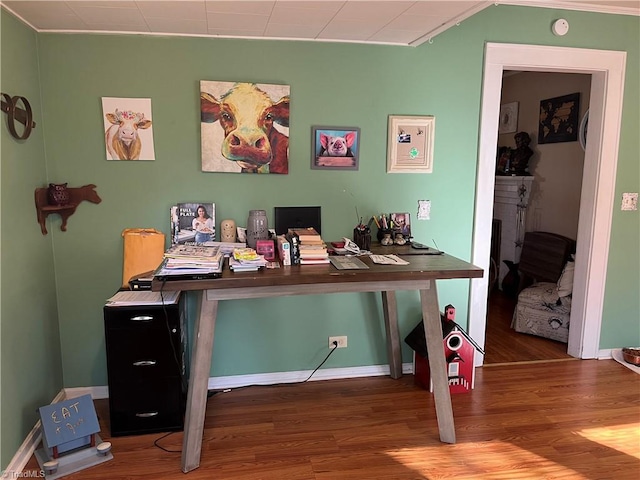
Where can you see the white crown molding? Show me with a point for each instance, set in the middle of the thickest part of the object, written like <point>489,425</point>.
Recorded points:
<point>617,8</point>
<point>578,6</point>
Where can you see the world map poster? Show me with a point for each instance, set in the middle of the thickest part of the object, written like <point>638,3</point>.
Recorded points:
<point>559,119</point>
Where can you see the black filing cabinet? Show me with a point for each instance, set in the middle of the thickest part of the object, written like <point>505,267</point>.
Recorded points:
<point>147,367</point>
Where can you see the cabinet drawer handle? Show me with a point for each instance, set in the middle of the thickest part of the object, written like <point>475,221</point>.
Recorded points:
<point>144,363</point>
<point>142,318</point>
<point>146,414</point>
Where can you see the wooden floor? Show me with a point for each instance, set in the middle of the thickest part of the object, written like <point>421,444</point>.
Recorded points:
<point>505,345</point>
<point>543,418</point>
<point>558,420</point>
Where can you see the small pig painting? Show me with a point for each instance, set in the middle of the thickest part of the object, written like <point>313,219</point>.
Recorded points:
<point>335,148</point>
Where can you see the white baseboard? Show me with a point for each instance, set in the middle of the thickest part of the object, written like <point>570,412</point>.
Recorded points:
<point>30,444</point>
<point>235,381</point>
<point>28,447</point>
<point>605,354</point>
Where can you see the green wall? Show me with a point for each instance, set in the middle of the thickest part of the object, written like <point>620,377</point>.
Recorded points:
<point>289,334</point>
<point>259,335</point>
<point>31,368</point>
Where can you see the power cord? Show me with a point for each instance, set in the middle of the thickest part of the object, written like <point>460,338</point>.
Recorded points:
<point>211,393</point>
<point>155,442</point>
<point>282,384</point>
<point>178,363</point>
<point>335,346</point>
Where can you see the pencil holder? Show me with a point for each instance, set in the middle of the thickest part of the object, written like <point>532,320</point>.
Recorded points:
<point>362,238</point>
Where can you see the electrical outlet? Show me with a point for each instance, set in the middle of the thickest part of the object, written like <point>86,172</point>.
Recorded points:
<point>342,342</point>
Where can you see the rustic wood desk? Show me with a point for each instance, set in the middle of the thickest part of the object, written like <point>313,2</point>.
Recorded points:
<point>420,275</point>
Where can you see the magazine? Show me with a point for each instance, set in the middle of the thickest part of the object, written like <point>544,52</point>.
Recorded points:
<point>193,223</point>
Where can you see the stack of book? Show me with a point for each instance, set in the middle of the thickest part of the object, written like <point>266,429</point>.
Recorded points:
<point>313,250</point>
<point>191,259</point>
<point>246,260</point>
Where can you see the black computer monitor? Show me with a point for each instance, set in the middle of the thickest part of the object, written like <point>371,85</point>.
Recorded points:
<point>296,217</point>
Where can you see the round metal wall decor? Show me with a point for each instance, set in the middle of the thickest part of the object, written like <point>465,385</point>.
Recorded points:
<point>23,114</point>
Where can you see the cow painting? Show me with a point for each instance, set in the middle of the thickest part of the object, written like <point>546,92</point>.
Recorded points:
<point>245,127</point>
<point>122,139</point>
<point>128,128</point>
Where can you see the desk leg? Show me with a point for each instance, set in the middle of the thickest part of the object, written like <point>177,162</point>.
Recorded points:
<point>198,382</point>
<point>390,309</point>
<point>437,362</point>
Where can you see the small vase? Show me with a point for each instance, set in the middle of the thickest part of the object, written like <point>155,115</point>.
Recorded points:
<point>58,194</point>
<point>257,227</point>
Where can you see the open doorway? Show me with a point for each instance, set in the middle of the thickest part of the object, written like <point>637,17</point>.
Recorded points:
<point>594,225</point>
<point>547,199</point>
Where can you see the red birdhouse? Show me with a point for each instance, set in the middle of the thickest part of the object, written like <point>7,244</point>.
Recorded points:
<point>459,350</point>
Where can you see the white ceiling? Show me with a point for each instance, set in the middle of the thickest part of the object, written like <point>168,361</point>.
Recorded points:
<point>394,22</point>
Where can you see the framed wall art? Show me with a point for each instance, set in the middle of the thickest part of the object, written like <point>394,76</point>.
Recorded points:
<point>128,128</point>
<point>244,127</point>
<point>559,119</point>
<point>410,144</point>
<point>335,148</point>
<point>508,118</point>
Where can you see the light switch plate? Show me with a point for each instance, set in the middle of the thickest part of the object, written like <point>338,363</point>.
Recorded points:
<point>629,201</point>
<point>424,209</point>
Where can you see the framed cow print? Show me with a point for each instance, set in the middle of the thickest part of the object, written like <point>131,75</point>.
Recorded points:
<point>128,128</point>
<point>244,127</point>
<point>335,148</point>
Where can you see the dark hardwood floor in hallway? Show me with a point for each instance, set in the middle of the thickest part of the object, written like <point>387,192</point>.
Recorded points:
<point>504,345</point>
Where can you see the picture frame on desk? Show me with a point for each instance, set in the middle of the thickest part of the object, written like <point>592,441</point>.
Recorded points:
<point>335,148</point>
<point>410,144</point>
<point>401,223</point>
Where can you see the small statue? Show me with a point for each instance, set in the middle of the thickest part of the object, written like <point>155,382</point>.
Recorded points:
<point>228,231</point>
<point>519,160</point>
<point>399,240</point>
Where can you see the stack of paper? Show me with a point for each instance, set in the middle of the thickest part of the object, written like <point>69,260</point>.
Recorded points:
<point>246,260</point>
<point>191,259</point>
<point>128,298</point>
<point>388,260</point>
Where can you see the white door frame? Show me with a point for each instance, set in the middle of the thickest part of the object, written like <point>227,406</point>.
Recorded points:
<point>607,69</point>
